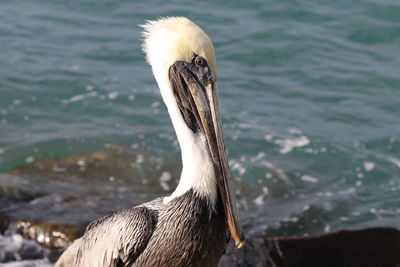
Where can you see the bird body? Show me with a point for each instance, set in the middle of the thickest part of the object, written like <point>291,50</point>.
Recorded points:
<point>189,227</point>
<point>142,235</point>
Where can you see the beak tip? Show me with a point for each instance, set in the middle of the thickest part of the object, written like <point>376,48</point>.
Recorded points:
<point>240,244</point>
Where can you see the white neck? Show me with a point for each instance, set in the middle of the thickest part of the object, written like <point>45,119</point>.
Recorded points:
<point>197,166</point>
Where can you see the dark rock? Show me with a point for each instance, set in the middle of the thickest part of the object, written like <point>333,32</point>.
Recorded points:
<point>372,247</point>
<point>12,195</point>
<point>4,223</point>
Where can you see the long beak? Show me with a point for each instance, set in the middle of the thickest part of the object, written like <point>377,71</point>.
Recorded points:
<point>207,106</point>
<point>204,106</point>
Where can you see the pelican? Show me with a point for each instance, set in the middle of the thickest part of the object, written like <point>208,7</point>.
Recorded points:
<point>189,227</point>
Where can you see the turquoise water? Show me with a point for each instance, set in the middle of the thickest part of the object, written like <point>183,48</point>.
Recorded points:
<point>309,94</point>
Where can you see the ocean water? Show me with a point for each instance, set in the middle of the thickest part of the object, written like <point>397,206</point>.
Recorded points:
<point>309,93</point>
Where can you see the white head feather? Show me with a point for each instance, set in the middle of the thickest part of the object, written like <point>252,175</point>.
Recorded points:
<point>168,40</point>
<point>172,39</point>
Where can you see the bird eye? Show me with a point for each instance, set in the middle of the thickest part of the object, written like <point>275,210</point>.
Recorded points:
<point>200,62</point>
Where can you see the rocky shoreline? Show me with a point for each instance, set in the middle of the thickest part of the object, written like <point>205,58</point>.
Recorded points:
<point>370,247</point>
<point>45,205</point>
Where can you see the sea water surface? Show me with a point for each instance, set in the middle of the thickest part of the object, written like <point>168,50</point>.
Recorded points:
<point>309,94</point>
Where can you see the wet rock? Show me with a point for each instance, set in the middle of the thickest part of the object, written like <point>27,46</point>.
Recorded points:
<point>52,236</point>
<point>49,235</point>
<point>369,247</point>
<point>10,194</point>
<point>15,248</point>
<point>29,263</point>
<point>120,165</point>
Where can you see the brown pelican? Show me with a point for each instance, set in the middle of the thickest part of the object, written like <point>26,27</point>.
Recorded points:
<point>189,227</point>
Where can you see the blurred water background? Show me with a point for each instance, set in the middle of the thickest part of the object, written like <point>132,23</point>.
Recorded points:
<point>309,94</point>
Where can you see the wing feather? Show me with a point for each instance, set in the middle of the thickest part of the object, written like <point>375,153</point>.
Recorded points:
<point>116,240</point>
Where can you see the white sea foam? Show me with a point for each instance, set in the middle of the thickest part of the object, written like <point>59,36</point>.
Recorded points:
<point>268,137</point>
<point>350,190</point>
<point>29,159</point>
<point>293,219</point>
<point>155,104</point>
<point>327,228</point>
<point>278,171</point>
<point>81,163</point>
<point>287,145</point>
<point>369,166</point>
<point>74,68</point>
<point>164,178</point>
<point>112,95</point>
<point>260,155</point>
<point>139,159</point>
<point>78,98</point>
<point>237,166</point>
<point>259,200</point>
<point>309,179</point>
<point>394,161</point>
<point>294,131</point>
<point>265,190</point>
